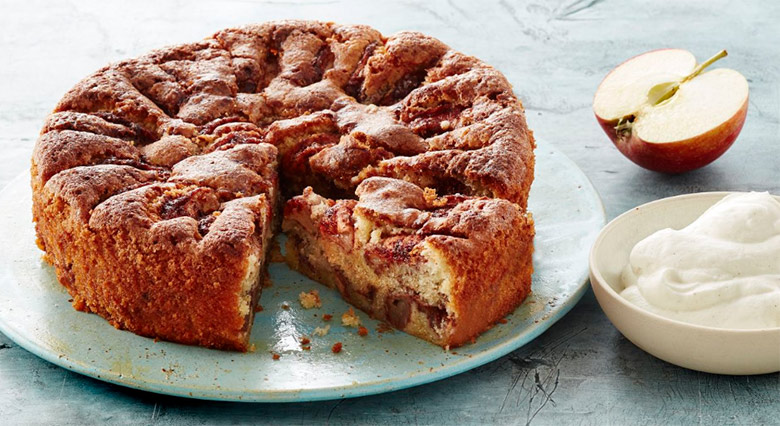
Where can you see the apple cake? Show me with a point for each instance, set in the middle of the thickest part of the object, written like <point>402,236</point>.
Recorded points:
<point>159,181</point>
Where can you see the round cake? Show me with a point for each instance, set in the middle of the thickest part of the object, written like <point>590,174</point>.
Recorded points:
<point>159,182</point>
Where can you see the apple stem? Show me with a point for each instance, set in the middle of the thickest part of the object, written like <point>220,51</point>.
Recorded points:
<point>663,91</point>
<point>705,64</point>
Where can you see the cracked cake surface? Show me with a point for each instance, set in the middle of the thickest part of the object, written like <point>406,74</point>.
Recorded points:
<point>158,181</point>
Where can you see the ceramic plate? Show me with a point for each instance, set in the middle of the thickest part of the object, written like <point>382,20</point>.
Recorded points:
<point>36,314</point>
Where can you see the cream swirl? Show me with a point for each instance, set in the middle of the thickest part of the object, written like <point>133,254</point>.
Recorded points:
<point>722,270</point>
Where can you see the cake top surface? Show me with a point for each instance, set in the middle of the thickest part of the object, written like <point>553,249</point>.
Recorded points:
<point>390,209</point>
<point>307,103</point>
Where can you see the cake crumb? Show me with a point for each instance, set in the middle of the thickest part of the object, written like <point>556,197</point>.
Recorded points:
<point>350,319</point>
<point>275,356</point>
<point>429,194</point>
<point>310,300</point>
<point>305,340</point>
<point>503,321</point>
<point>384,327</point>
<point>168,372</point>
<point>336,347</point>
<point>433,199</point>
<point>327,317</point>
<point>258,308</point>
<point>306,348</point>
<point>321,331</point>
<point>285,306</point>
<point>362,331</point>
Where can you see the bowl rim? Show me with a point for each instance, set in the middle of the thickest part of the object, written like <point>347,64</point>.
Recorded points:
<point>598,279</point>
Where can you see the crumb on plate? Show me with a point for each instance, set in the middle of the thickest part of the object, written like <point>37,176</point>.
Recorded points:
<point>310,300</point>
<point>383,327</point>
<point>350,319</point>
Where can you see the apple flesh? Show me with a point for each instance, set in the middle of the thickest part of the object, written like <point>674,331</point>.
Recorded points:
<point>665,114</point>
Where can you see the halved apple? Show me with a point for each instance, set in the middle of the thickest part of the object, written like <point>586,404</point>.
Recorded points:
<point>665,114</point>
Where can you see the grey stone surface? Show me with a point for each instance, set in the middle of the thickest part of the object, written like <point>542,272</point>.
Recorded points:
<point>555,53</point>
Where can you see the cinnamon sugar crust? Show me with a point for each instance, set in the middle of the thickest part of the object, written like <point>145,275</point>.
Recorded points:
<point>156,179</point>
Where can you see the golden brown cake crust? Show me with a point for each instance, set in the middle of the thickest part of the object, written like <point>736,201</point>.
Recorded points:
<point>140,162</point>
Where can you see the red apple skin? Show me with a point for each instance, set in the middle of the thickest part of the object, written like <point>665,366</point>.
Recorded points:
<point>681,156</point>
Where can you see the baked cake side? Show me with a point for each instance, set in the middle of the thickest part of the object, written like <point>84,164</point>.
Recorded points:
<point>441,268</point>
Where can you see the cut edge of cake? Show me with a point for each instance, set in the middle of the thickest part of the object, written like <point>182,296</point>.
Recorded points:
<point>432,269</point>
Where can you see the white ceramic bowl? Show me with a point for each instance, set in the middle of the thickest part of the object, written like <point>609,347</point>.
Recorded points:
<point>713,350</point>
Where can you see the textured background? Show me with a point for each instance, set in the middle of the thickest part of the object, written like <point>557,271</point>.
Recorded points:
<point>554,53</point>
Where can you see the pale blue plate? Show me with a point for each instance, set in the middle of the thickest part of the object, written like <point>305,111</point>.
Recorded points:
<point>36,314</point>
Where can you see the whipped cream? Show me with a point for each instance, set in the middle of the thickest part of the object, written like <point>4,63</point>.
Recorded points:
<point>723,270</point>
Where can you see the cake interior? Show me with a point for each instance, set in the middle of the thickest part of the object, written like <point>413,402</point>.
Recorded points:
<point>411,294</point>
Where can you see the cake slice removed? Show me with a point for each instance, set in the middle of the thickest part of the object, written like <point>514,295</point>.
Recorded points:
<point>444,269</point>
